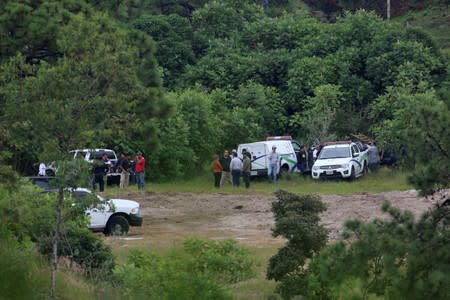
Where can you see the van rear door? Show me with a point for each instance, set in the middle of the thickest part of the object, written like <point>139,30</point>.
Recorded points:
<point>259,158</point>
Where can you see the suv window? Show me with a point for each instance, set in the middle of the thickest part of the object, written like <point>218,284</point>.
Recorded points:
<point>354,150</point>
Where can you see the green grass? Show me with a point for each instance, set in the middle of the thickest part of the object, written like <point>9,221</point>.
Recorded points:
<point>382,181</point>
<point>434,19</point>
<point>258,287</point>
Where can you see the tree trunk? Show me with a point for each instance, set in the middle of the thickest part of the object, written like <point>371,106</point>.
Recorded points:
<point>54,262</point>
<point>388,12</point>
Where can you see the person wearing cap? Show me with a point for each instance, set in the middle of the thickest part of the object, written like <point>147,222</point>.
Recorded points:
<point>140,170</point>
<point>274,162</point>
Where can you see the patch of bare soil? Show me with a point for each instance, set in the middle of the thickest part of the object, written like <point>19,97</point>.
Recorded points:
<point>171,217</point>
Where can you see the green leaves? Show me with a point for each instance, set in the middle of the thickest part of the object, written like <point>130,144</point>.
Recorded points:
<point>297,220</point>
<point>201,270</point>
<point>398,258</point>
<point>95,94</point>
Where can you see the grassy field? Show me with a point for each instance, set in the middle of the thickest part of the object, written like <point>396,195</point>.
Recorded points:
<point>383,180</point>
<point>434,19</point>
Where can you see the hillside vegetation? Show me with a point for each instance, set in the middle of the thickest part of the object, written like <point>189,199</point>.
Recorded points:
<point>182,80</point>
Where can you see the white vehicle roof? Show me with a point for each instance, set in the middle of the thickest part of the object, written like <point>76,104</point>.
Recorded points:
<point>283,146</point>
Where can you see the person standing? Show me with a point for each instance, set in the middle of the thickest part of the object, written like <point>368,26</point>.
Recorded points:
<point>236,167</point>
<point>302,159</point>
<point>125,171</point>
<point>217,170</point>
<point>373,156</point>
<point>140,170</point>
<point>101,168</point>
<point>42,169</point>
<point>274,162</point>
<point>225,162</point>
<point>246,168</point>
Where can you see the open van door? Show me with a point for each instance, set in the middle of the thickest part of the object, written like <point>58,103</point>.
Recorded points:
<point>259,152</point>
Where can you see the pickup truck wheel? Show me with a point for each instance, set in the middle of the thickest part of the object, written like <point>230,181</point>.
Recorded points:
<point>352,174</point>
<point>117,225</point>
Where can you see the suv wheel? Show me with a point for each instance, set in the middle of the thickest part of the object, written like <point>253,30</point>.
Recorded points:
<point>352,174</point>
<point>117,225</point>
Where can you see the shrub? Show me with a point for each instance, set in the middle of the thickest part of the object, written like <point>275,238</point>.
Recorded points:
<point>297,220</point>
<point>399,258</point>
<point>201,270</point>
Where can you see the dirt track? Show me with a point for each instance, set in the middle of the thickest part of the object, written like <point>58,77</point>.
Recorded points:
<point>171,217</point>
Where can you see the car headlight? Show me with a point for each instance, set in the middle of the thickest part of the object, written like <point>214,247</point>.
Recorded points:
<point>345,166</point>
<point>316,168</point>
<point>135,211</point>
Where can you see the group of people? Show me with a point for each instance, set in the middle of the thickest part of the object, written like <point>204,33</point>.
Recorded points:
<point>230,168</point>
<point>102,166</point>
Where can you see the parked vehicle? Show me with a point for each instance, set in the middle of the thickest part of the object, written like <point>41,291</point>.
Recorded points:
<point>110,216</point>
<point>340,160</point>
<point>113,177</point>
<point>286,147</point>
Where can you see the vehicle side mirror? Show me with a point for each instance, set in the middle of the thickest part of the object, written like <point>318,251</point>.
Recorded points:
<point>355,154</point>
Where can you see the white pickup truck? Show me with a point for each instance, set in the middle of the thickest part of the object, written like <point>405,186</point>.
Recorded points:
<point>340,160</point>
<point>110,216</point>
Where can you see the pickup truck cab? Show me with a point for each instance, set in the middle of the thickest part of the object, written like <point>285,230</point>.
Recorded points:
<point>110,216</point>
<point>340,160</point>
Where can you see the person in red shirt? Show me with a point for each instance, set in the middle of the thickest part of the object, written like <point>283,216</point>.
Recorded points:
<point>217,170</point>
<point>140,171</point>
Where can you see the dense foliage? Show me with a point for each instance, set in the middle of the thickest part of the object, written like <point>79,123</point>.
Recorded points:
<point>398,258</point>
<point>297,220</point>
<point>92,76</point>
<point>202,270</point>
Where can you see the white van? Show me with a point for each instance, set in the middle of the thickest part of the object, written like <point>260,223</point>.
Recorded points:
<point>286,147</point>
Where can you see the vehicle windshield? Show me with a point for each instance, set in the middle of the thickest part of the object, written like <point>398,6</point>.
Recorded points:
<point>334,152</point>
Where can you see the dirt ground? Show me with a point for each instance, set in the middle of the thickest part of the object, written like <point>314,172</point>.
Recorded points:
<point>171,217</point>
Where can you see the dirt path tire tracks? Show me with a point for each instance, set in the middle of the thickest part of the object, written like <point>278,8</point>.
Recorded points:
<point>171,217</point>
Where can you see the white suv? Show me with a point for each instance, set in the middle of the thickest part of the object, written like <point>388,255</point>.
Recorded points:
<point>340,160</point>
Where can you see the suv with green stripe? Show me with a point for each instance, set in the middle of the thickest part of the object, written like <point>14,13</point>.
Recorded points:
<point>340,160</point>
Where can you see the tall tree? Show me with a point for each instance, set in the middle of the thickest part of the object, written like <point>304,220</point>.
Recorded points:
<point>94,95</point>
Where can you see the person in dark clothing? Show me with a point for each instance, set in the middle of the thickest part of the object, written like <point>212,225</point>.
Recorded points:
<point>302,160</point>
<point>310,158</point>
<point>124,170</point>
<point>246,167</point>
<point>225,161</point>
<point>101,168</point>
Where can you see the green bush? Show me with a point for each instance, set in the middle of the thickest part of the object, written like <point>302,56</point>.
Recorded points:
<point>297,220</point>
<point>19,265</point>
<point>201,270</point>
<point>84,248</point>
<point>399,258</point>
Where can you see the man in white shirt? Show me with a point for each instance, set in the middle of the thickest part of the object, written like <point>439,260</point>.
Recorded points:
<point>274,162</point>
<point>235,167</point>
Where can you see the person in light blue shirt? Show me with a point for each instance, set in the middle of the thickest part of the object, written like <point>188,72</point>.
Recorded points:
<point>274,162</point>
<point>236,167</point>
